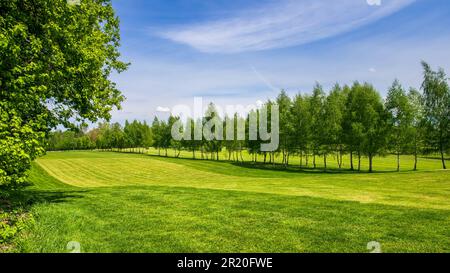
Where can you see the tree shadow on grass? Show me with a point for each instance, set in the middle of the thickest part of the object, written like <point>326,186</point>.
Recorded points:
<point>23,197</point>
<point>16,204</point>
<point>297,169</point>
<point>446,158</point>
<point>278,167</point>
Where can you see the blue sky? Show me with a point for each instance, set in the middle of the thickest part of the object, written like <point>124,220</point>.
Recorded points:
<point>242,51</point>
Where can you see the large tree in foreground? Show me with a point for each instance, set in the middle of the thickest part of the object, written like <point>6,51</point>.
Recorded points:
<point>55,63</point>
<point>436,93</point>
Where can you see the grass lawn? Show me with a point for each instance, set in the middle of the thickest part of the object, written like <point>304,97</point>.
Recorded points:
<point>112,202</point>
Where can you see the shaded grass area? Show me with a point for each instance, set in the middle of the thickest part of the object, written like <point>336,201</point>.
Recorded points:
<point>16,204</point>
<point>134,203</point>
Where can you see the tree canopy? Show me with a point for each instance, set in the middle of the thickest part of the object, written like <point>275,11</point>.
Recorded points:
<point>55,65</point>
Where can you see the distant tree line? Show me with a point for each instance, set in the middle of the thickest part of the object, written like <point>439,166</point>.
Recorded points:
<point>106,136</point>
<point>348,120</point>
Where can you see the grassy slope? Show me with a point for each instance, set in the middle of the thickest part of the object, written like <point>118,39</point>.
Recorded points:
<point>133,203</point>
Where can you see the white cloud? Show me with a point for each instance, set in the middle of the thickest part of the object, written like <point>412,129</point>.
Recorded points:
<point>286,23</point>
<point>163,109</point>
<point>372,70</point>
<point>374,2</point>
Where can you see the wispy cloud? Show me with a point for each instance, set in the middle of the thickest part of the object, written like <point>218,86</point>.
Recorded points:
<point>153,82</point>
<point>281,24</point>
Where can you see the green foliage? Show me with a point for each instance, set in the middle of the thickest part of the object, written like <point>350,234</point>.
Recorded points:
<point>162,134</point>
<point>213,124</point>
<point>401,118</point>
<point>55,63</point>
<point>301,121</point>
<point>15,216</point>
<point>436,101</point>
<point>365,125</point>
<point>69,140</point>
<point>106,136</point>
<point>316,107</point>
<point>13,222</point>
<point>137,134</point>
<point>20,143</point>
<point>286,126</point>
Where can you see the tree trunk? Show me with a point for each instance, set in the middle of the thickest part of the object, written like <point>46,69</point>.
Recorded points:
<point>338,159</point>
<point>443,158</point>
<point>351,161</point>
<point>370,163</point>
<point>398,161</point>
<point>415,153</point>
<point>359,161</point>
<point>314,160</point>
<point>325,161</point>
<point>415,160</point>
<point>301,159</point>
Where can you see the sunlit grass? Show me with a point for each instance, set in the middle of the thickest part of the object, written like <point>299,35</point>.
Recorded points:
<point>115,202</point>
<point>100,169</point>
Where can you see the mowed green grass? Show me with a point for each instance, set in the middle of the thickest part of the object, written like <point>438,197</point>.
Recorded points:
<point>112,202</point>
